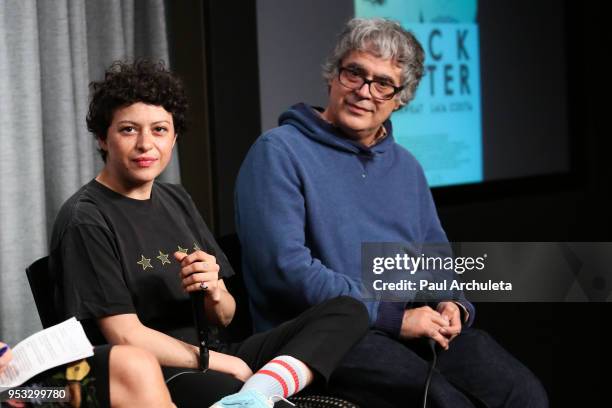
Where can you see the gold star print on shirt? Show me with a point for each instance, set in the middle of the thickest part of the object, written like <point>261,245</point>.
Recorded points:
<point>183,250</point>
<point>145,262</point>
<point>163,258</point>
<point>196,247</point>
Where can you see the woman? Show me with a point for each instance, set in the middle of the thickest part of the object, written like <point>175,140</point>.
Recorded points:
<point>121,376</point>
<point>128,250</point>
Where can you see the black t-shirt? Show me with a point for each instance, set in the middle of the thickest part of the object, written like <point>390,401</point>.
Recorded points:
<point>112,254</point>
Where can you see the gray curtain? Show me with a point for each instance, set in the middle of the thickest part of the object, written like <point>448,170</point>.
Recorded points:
<point>49,52</point>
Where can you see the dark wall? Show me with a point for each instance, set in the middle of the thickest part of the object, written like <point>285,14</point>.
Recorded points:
<point>188,60</point>
<point>291,52</point>
<point>213,47</point>
<point>233,96</point>
<point>563,344</point>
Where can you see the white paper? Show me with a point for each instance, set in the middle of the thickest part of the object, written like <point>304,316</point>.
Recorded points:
<point>54,346</point>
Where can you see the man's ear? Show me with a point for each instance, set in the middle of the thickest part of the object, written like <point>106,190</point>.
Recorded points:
<point>398,105</point>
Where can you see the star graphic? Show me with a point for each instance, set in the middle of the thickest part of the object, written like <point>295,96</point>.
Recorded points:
<point>196,247</point>
<point>145,262</point>
<point>183,250</point>
<point>163,258</point>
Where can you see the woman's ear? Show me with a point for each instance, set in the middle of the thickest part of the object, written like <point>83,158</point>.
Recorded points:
<point>102,144</point>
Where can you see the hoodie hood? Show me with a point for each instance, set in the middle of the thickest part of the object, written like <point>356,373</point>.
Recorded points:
<point>311,124</point>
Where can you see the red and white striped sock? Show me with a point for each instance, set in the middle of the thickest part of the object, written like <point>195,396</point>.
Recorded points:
<point>283,376</point>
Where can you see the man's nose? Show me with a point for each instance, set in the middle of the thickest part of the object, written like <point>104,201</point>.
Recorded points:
<point>364,91</point>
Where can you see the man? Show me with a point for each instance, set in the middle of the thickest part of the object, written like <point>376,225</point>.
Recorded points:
<point>312,190</point>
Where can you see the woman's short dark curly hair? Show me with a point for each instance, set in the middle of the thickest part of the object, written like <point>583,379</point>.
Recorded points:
<point>127,83</point>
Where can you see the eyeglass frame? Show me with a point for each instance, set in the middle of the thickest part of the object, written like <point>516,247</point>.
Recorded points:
<point>396,89</point>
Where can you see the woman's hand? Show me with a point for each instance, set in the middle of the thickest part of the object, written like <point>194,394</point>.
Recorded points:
<point>231,365</point>
<point>200,271</point>
<point>6,357</point>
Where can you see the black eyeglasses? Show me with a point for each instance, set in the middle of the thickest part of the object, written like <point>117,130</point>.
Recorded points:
<point>354,79</point>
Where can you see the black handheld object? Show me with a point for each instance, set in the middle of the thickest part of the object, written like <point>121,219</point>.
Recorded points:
<point>197,304</point>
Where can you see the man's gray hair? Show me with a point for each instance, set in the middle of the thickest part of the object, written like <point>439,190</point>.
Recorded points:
<point>385,39</point>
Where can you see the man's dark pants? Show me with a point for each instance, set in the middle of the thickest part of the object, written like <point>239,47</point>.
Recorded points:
<point>383,372</point>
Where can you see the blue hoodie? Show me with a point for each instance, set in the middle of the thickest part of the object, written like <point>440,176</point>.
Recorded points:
<point>306,198</point>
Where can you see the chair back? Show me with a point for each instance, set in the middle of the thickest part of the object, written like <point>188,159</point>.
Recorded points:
<point>241,326</point>
<point>42,287</point>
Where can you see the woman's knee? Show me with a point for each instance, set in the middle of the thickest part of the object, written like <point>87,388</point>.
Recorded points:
<point>135,375</point>
<point>129,362</point>
<point>350,309</point>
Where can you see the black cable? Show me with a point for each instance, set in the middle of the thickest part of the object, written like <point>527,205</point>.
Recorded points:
<point>432,365</point>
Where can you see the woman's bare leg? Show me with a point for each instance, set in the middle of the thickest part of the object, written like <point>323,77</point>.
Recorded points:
<point>136,379</point>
